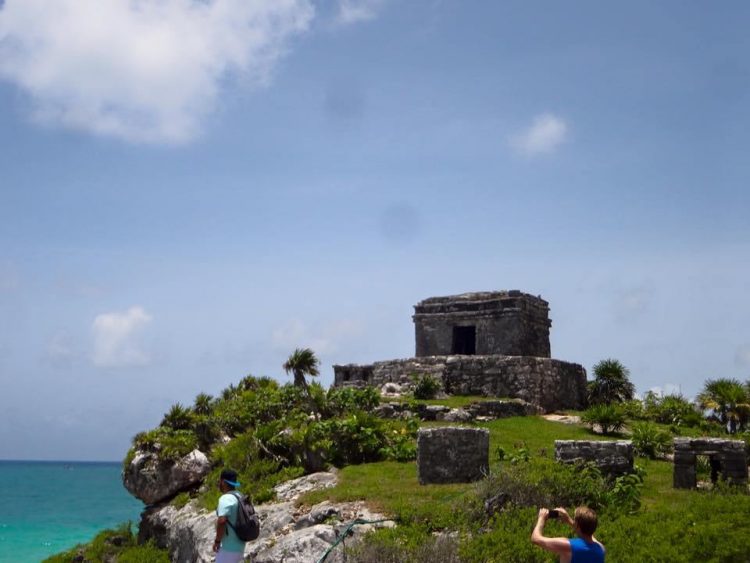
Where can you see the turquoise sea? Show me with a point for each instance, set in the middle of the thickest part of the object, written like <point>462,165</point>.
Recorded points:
<point>48,507</point>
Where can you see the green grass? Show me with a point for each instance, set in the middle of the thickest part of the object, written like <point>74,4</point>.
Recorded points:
<point>672,524</point>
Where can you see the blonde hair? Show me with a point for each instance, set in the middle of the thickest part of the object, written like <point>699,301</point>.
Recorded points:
<point>586,520</point>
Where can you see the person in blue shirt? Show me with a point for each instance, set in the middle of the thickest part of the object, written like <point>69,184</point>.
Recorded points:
<point>228,547</point>
<point>583,549</point>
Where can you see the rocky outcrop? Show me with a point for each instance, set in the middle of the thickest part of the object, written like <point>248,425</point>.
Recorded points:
<point>154,480</point>
<point>288,534</point>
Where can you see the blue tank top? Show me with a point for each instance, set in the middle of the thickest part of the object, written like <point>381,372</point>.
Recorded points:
<point>583,552</point>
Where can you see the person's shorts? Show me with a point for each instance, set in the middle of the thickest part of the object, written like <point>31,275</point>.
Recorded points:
<point>229,556</point>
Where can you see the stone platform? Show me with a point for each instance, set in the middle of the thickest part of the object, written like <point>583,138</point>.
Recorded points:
<point>550,384</point>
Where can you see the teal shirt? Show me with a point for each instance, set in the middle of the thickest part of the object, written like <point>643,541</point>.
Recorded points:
<point>228,505</point>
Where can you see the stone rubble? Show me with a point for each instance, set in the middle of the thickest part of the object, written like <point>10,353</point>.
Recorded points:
<point>289,534</point>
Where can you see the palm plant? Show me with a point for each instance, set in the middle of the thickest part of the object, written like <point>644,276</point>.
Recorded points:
<point>178,418</point>
<point>611,383</point>
<point>203,404</point>
<point>610,418</point>
<point>302,362</point>
<point>728,401</point>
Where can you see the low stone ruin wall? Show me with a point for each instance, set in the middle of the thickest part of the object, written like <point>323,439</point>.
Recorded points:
<point>551,384</point>
<point>611,457</point>
<point>452,455</point>
<point>729,455</point>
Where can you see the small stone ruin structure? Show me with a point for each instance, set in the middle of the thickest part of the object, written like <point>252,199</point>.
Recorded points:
<point>500,323</point>
<point>728,458</point>
<point>493,344</point>
<point>611,457</point>
<point>452,455</point>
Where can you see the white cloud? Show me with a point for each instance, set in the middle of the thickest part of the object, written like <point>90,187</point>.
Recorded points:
<point>141,70</point>
<point>325,339</point>
<point>544,135</point>
<point>355,11</point>
<point>116,338</point>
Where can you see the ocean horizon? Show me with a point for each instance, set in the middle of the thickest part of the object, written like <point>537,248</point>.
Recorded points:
<point>49,506</point>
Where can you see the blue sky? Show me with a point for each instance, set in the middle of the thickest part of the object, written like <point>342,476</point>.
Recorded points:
<point>190,190</point>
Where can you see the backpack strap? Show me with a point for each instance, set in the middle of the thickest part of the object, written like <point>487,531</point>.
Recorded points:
<point>238,496</point>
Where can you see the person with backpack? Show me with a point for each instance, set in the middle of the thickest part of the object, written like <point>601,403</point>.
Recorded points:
<point>237,522</point>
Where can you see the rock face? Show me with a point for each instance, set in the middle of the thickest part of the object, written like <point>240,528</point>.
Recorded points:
<point>508,323</point>
<point>611,457</point>
<point>727,457</point>
<point>452,455</point>
<point>288,534</point>
<point>152,480</point>
<point>550,384</point>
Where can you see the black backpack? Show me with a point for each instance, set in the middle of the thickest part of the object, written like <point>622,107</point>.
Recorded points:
<point>247,526</point>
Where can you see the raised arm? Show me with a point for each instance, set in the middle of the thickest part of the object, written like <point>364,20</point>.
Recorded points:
<point>559,546</point>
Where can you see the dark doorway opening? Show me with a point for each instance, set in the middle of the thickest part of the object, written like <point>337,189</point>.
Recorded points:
<point>464,340</point>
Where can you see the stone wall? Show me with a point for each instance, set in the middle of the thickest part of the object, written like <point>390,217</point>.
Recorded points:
<point>550,384</point>
<point>728,457</point>
<point>505,323</point>
<point>611,457</point>
<point>452,455</point>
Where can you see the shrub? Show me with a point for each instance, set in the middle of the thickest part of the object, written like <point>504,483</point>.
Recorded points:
<point>672,409</point>
<point>390,546</point>
<point>539,482</point>
<point>610,418</point>
<point>175,445</point>
<point>426,387</point>
<point>650,441</point>
<point>347,399</point>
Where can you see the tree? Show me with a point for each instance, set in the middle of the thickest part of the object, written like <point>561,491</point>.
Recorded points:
<point>728,401</point>
<point>611,383</point>
<point>302,362</point>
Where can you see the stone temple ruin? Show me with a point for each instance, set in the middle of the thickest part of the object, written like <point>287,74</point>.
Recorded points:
<point>489,343</point>
<point>726,458</point>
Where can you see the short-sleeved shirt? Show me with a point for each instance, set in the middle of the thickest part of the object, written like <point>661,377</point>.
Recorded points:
<point>228,505</point>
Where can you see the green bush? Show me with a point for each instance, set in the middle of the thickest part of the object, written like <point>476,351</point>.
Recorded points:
<point>347,399</point>
<point>425,387</point>
<point>610,418</point>
<point>118,545</point>
<point>650,441</point>
<point>671,409</point>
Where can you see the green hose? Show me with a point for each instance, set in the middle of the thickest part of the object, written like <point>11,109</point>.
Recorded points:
<point>357,522</point>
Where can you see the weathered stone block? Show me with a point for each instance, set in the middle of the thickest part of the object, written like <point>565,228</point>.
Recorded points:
<point>611,457</point>
<point>452,455</point>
